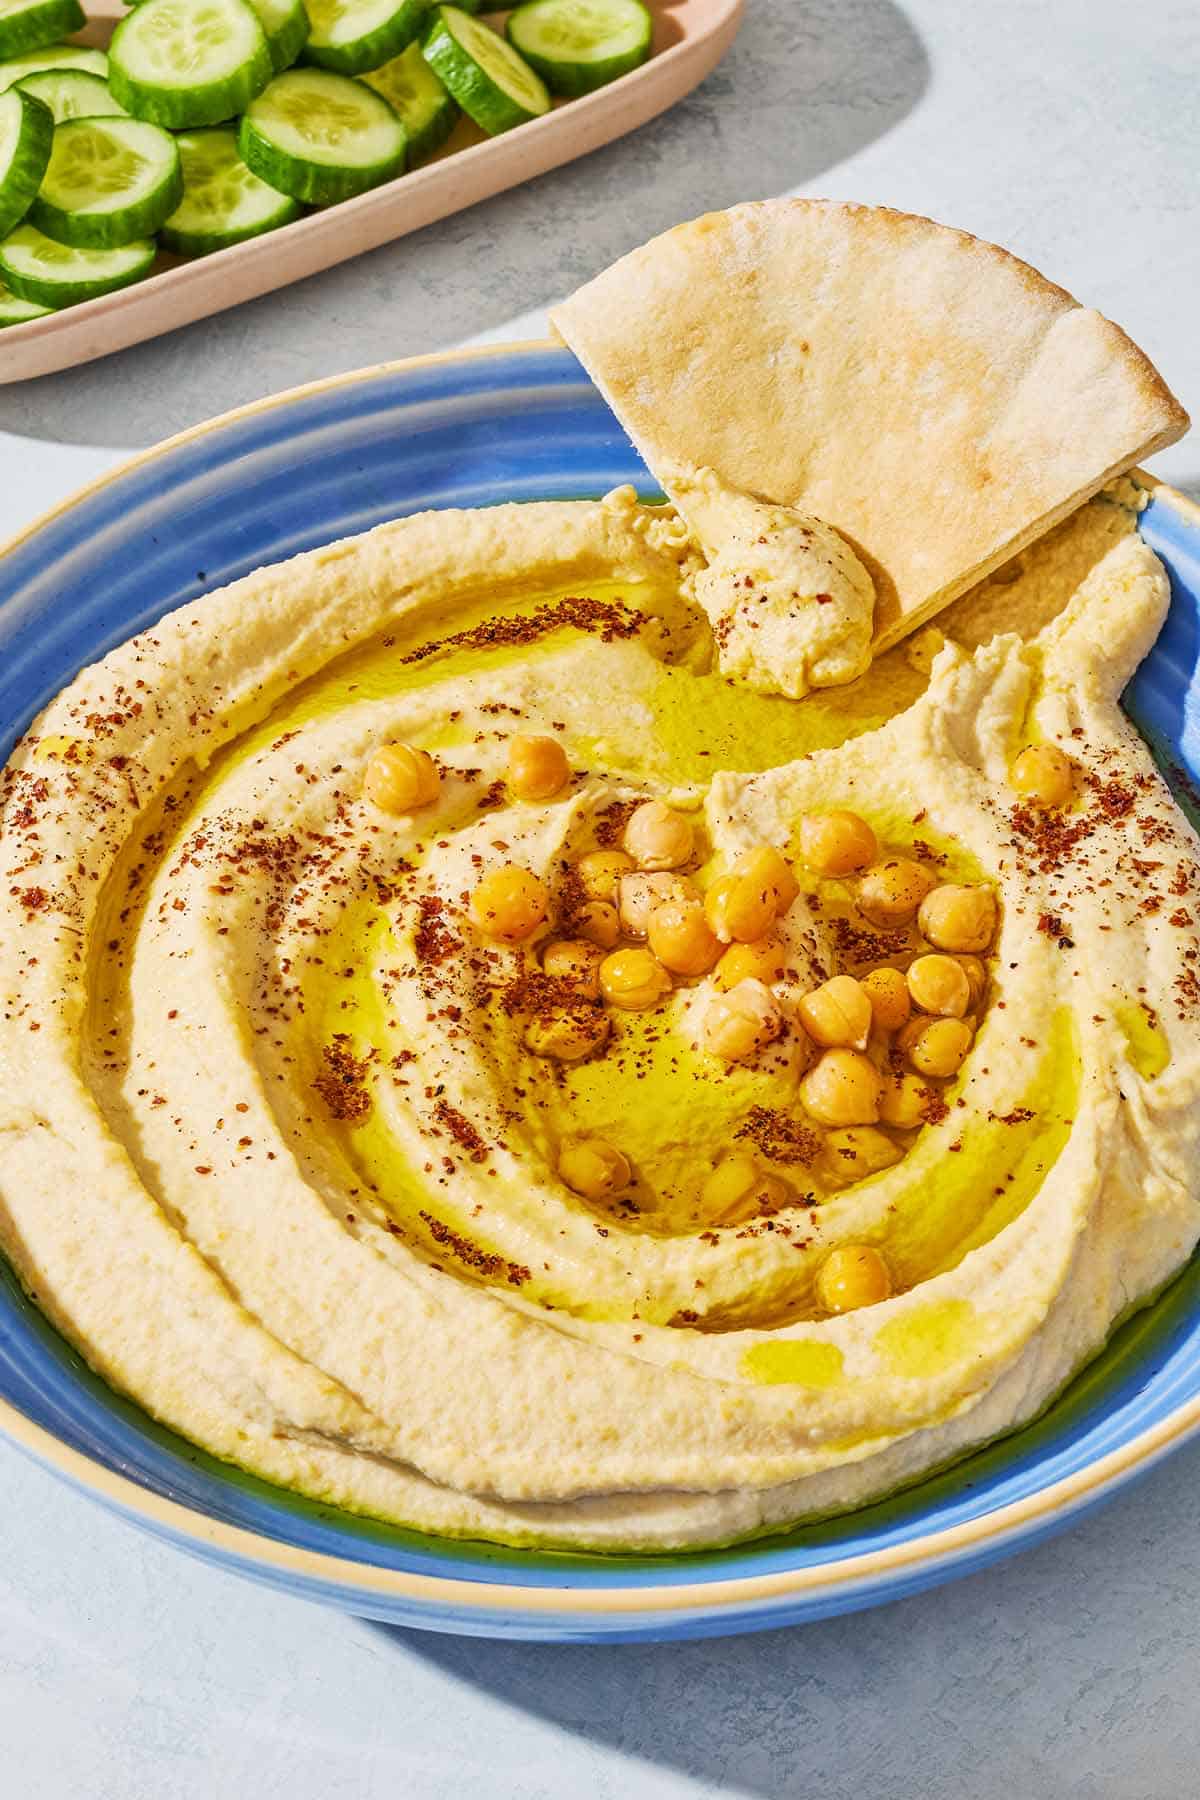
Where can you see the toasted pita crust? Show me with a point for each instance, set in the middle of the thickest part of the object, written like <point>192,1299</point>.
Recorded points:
<point>935,399</point>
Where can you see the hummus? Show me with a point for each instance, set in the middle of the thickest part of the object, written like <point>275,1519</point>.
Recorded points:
<point>277,1155</point>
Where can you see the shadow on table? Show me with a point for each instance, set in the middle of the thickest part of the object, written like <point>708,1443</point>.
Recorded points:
<point>804,87</point>
<point>1034,1679</point>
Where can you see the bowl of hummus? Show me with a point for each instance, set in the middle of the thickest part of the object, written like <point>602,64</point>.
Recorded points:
<point>520,1121</point>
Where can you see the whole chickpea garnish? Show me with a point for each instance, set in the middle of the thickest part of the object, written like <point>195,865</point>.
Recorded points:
<point>891,1002</point>
<point>936,1047</point>
<point>633,980</point>
<point>837,1014</point>
<point>537,767</point>
<point>401,779</point>
<point>658,837</point>
<point>509,903</point>
<point>601,870</point>
<point>577,961</point>
<point>739,909</point>
<point>842,1088</point>
<point>836,843</point>
<point>594,1168</point>
<point>957,917</point>
<point>738,1189</point>
<point>740,1023</point>
<point>890,892</point>
<point>763,960</point>
<point>680,937</point>
<point>851,1276</point>
<point>1043,775</point>
<point>939,984</point>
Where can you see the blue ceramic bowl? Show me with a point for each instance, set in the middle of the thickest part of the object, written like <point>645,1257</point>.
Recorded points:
<point>293,472</point>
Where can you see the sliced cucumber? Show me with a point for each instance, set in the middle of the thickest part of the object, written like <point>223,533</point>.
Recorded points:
<point>28,24</point>
<point>351,36</point>
<point>26,134</point>
<point>493,84</point>
<point>418,99</point>
<point>285,23</point>
<point>321,137</point>
<point>59,56</point>
<point>577,46</point>
<point>15,311</point>
<point>223,202</point>
<point>38,268</point>
<point>188,62</point>
<point>108,182</point>
<point>72,94</point>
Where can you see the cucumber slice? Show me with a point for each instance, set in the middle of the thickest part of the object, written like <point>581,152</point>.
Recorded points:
<point>53,274</point>
<point>418,99</point>
<point>491,82</point>
<point>188,62</point>
<point>26,134</point>
<point>223,202</point>
<point>321,137</point>
<point>15,311</point>
<point>72,94</point>
<point>353,35</point>
<point>577,46</point>
<point>28,24</point>
<point>59,56</point>
<point>108,182</point>
<point>286,26</point>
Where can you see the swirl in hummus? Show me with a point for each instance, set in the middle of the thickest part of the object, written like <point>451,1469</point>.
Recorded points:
<point>415,1201</point>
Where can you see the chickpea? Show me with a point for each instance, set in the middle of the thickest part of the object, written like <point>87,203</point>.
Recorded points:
<point>904,1101</point>
<point>633,980</point>
<point>537,767</point>
<point>657,837</point>
<point>959,918</point>
<point>739,909</point>
<point>576,961</point>
<point>568,1036</point>
<point>976,973</point>
<point>509,903</point>
<point>851,1276</point>
<point>856,1152</point>
<point>765,866</point>
<point>1044,775</point>
<point>838,1013</point>
<point>937,1047</point>
<point>891,1003</point>
<point>400,778</point>
<point>939,984</point>
<point>764,960</point>
<point>739,1024</point>
<point>738,1190</point>
<point>640,895</point>
<point>836,843</point>
<point>593,1168</point>
<point>600,871</point>
<point>890,892</point>
<point>597,921</point>
<point>679,936</point>
<point>842,1088</point>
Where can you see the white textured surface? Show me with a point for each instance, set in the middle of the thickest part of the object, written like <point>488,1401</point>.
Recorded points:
<point>1069,131</point>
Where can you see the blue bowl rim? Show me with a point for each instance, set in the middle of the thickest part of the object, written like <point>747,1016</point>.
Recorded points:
<point>511,1608</point>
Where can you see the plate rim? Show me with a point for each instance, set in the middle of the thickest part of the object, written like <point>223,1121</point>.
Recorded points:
<point>841,1583</point>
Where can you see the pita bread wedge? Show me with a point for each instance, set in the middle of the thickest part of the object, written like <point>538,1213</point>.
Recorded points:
<point>934,399</point>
